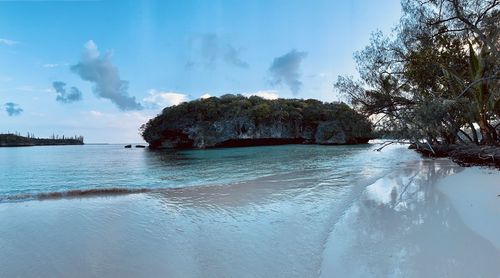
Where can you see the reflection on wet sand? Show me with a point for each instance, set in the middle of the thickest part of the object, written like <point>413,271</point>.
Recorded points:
<point>404,226</point>
<point>306,223</point>
<point>301,186</point>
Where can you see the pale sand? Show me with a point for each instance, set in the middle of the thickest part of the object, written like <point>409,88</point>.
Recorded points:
<point>475,194</point>
<point>427,218</point>
<point>433,219</point>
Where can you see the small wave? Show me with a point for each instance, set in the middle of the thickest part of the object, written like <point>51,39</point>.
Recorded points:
<point>76,193</point>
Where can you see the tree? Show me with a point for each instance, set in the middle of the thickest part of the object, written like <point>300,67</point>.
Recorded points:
<point>437,74</point>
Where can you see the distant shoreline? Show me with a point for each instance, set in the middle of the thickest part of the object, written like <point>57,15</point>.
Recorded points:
<point>13,140</point>
<point>38,145</point>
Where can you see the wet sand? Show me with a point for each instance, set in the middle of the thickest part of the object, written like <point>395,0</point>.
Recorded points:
<point>431,220</point>
<point>427,218</point>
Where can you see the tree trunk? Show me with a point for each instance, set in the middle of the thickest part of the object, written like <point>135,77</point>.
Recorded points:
<point>487,131</point>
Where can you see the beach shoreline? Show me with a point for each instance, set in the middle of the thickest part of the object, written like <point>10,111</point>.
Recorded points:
<point>398,218</point>
<point>435,220</point>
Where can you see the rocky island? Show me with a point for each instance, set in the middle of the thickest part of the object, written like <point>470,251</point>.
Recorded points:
<point>236,120</point>
<point>15,140</point>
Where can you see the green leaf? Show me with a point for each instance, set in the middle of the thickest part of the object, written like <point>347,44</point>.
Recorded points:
<point>474,61</point>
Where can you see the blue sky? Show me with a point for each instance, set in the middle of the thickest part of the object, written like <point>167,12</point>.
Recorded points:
<point>102,68</point>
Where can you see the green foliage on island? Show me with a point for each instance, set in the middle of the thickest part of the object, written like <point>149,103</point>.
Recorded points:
<point>256,113</point>
<point>436,78</point>
<point>15,140</point>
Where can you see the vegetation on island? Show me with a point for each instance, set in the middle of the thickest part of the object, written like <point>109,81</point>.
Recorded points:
<point>15,140</point>
<point>239,117</point>
<point>435,79</point>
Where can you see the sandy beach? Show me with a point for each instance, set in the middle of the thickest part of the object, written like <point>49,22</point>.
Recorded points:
<point>437,220</point>
<point>281,139</point>
<point>428,218</point>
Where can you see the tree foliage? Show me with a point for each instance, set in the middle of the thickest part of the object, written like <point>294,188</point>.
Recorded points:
<point>257,111</point>
<point>436,76</point>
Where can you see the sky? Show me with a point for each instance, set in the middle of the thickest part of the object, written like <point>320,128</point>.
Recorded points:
<point>103,68</point>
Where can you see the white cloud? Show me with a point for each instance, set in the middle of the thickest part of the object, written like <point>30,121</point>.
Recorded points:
<point>50,65</point>
<point>55,65</point>
<point>157,99</point>
<point>115,127</point>
<point>26,88</point>
<point>105,76</point>
<point>126,120</point>
<point>31,89</point>
<point>8,42</point>
<point>267,94</point>
<point>96,114</point>
<point>321,75</point>
<point>91,50</point>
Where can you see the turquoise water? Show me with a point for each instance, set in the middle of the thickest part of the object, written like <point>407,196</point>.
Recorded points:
<point>28,171</point>
<point>280,211</point>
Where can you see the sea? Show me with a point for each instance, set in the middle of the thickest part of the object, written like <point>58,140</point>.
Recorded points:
<point>44,171</point>
<point>270,211</point>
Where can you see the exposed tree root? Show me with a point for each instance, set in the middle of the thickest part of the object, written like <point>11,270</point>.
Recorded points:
<point>465,155</point>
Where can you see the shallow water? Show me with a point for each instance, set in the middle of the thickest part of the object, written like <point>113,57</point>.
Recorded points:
<point>34,170</point>
<point>283,211</point>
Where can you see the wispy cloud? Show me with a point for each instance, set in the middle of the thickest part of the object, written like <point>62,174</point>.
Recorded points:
<point>25,88</point>
<point>267,94</point>
<point>13,109</point>
<point>213,49</point>
<point>285,69</point>
<point>204,96</point>
<point>50,65</point>
<point>32,89</point>
<point>8,42</point>
<point>158,99</point>
<point>54,65</point>
<point>209,48</point>
<point>129,120</point>
<point>232,56</point>
<point>96,114</point>
<point>319,75</point>
<point>66,96</point>
<point>99,70</point>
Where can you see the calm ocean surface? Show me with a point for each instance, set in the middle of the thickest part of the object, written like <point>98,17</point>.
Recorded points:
<point>278,211</point>
<point>27,171</point>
